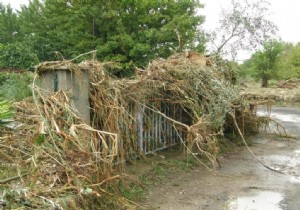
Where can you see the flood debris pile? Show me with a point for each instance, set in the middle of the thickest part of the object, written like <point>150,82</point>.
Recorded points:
<point>289,84</point>
<point>286,91</point>
<point>60,162</point>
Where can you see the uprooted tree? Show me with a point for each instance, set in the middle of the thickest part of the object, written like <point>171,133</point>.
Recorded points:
<point>244,26</point>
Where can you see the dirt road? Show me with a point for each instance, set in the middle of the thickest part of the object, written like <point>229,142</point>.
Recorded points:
<point>242,183</point>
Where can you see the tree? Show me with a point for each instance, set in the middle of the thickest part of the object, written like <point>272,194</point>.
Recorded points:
<point>294,60</point>
<point>9,27</point>
<point>131,32</point>
<point>265,63</point>
<point>144,30</point>
<point>245,26</point>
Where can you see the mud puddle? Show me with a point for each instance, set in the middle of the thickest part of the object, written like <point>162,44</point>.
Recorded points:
<point>259,201</point>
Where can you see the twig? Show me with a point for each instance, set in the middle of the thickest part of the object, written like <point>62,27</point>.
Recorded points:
<point>53,204</point>
<point>201,162</point>
<point>123,198</point>
<point>94,51</point>
<point>166,117</point>
<point>45,121</point>
<point>105,180</point>
<point>10,147</point>
<point>5,181</point>
<point>279,125</point>
<point>256,158</point>
<point>52,157</point>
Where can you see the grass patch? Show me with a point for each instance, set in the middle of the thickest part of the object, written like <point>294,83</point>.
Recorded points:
<point>7,171</point>
<point>236,140</point>
<point>155,170</point>
<point>133,192</point>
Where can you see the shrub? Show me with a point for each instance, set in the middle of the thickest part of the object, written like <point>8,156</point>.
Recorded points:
<point>17,55</point>
<point>15,86</point>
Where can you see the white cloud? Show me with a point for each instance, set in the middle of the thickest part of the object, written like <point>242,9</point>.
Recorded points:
<point>15,3</point>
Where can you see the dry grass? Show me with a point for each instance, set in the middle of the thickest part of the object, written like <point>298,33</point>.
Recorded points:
<point>72,165</point>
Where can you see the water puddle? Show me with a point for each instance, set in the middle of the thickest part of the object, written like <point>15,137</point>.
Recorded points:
<point>286,117</point>
<point>261,113</point>
<point>259,201</point>
<point>284,161</point>
<point>282,117</point>
<point>295,179</point>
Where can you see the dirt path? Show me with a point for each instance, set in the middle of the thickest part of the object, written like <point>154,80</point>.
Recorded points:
<point>242,183</point>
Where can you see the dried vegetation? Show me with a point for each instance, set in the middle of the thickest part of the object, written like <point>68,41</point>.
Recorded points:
<point>59,162</point>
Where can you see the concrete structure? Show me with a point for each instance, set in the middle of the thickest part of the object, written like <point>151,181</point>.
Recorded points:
<point>62,78</point>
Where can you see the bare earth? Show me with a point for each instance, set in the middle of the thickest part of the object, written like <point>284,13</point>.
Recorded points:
<point>241,183</point>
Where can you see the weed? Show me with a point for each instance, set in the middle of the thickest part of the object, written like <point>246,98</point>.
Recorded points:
<point>176,184</point>
<point>133,192</point>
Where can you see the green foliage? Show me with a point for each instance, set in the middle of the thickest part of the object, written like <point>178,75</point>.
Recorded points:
<point>6,111</point>
<point>131,32</point>
<point>15,86</point>
<point>286,62</point>
<point>264,64</point>
<point>289,62</point>
<point>40,139</point>
<point>17,55</point>
<point>9,27</point>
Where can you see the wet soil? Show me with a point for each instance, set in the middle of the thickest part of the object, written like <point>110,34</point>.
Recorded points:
<point>242,183</point>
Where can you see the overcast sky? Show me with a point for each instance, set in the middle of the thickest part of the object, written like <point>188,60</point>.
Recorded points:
<point>285,15</point>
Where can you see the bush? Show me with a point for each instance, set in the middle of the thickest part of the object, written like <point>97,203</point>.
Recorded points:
<point>17,55</point>
<point>15,86</point>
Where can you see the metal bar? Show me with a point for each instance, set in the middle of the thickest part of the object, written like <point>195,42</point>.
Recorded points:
<point>160,130</point>
<point>180,119</point>
<point>149,131</point>
<point>145,131</point>
<point>153,131</point>
<point>156,131</point>
<point>140,130</point>
<point>166,127</point>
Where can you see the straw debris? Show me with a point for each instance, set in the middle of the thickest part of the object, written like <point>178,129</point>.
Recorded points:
<point>72,165</point>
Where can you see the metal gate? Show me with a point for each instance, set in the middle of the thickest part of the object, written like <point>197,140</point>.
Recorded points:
<point>155,132</point>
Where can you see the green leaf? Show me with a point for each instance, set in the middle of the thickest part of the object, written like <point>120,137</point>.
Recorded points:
<point>40,139</point>
<point>6,111</point>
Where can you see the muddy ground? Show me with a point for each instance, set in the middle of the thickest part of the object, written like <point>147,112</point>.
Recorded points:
<point>242,183</point>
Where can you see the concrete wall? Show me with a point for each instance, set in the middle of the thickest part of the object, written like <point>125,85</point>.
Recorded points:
<point>67,81</point>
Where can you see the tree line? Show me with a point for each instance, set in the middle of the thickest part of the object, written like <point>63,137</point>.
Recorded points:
<point>134,32</point>
<point>130,32</point>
